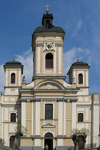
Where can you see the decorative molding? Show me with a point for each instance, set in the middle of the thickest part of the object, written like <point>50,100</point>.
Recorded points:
<point>31,100</point>
<point>35,100</point>
<point>67,100</point>
<point>60,136</point>
<point>37,136</point>
<point>49,120</point>
<point>48,125</point>
<point>60,100</point>
<point>59,44</point>
<point>39,44</point>
<point>74,100</point>
<point>11,105</point>
<point>23,100</point>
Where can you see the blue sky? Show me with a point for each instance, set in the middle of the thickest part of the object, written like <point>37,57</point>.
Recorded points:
<point>79,18</point>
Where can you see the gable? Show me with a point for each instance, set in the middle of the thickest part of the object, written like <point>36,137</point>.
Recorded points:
<point>49,85</point>
<point>48,125</point>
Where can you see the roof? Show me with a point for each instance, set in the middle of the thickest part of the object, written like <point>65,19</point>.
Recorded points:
<point>79,64</point>
<point>47,25</point>
<point>52,29</point>
<point>13,63</point>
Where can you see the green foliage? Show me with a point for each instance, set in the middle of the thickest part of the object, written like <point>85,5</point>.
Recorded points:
<point>20,130</point>
<point>1,141</point>
<point>77,135</point>
<point>83,131</point>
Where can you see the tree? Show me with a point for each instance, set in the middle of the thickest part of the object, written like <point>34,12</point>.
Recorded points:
<point>79,136</point>
<point>20,131</point>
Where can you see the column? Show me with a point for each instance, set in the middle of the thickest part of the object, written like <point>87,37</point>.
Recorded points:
<point>60,123</point>
<point>74,115</point>
<point>32,131</point>
<point>38,59</point>
<point>59,59</point>
<point>37,123</point>
<point>23,113</point>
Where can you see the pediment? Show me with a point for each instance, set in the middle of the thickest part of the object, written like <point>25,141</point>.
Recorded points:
<point>48,125</point>
<point>49,85</point>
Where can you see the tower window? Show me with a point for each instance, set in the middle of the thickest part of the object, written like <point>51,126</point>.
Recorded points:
<point>48,111</point>
<point>13,78</point>
<point>80,78</point>
<point>49,61</point>
<point>80,117</point>
<point>13,117</point>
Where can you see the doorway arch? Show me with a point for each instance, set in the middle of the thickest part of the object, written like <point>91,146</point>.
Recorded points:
<point>12,139</point>
<point>49,140</point>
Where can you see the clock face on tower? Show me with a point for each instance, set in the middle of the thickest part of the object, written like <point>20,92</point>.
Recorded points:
<point>49,46</point>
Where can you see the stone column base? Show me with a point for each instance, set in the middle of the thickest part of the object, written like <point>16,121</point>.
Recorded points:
<point>64,147</point>
<point>30,147</point>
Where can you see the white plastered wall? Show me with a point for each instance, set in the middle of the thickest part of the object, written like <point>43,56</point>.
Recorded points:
<point>96,124</point>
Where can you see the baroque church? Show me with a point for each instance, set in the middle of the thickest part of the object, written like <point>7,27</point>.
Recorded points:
<point>48,107</point>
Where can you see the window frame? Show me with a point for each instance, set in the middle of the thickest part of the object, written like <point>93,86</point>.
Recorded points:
<point>11,120</point>
<point>49,61</point>
<point>13,77</point>
<point>51,117</point>
<point>82,119</point>
<point>80,78</point>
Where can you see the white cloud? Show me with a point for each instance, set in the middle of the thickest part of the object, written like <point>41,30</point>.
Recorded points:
<point>27,61</point>
<point>78,27</point>
<point>71,55</point>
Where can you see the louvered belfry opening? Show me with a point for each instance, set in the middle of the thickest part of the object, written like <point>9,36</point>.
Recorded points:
<point>13,78</point>
<point>49,61</point>
<point>80,78</point>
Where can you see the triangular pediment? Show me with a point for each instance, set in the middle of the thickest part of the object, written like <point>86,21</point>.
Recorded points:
<point>48,125</point>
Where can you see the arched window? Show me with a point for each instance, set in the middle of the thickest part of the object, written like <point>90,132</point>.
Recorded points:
<point>12,139</point>
<point>13,78</point>
<point>48,111</point>
<point>13,117</point>
<point>80,117</point>
<point>49,61</point>
<point>80,78</point>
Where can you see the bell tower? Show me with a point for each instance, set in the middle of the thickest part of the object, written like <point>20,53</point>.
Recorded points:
<point>47,46</point>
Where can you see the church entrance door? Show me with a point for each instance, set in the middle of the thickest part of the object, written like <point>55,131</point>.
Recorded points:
<point>49,140</point>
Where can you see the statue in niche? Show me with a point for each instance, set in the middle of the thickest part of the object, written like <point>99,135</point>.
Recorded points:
<point>23,80</point>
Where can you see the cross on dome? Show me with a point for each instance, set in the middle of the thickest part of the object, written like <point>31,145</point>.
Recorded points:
<point>47,8</point>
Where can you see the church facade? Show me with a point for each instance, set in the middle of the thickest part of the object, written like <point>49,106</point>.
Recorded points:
<point>48,107</point>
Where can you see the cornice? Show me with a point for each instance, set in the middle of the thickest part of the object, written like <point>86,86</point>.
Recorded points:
<point>49,77</point>
<point>32,91</point>
<point>39,137</point>
<point>32,100</point>
<point>67,100</point>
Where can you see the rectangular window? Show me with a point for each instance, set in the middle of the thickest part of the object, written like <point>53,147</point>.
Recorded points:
<point>80,117</point>
<point>13,117</point>
<point>48,111</point>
